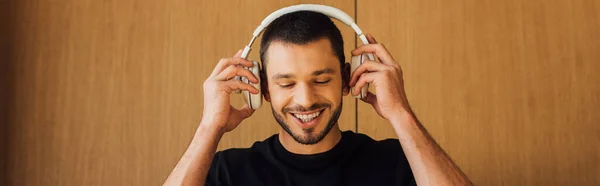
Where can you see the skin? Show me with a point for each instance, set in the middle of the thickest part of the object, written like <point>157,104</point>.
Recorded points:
<point>428,161</point>
<point>300,76</point>
<point>300,88</point>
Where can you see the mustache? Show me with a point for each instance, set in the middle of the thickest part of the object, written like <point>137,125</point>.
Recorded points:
<point>298,108</point>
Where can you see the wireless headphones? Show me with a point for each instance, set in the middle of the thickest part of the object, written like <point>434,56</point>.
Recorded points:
<point>255,100</point>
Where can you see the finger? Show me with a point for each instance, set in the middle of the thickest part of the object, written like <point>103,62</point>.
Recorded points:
<point>242,113</point>
<point>232,71</point>
<point>370,98</point>
<point>371,39</point>
<point>362,82</point>
<point>226,62</point>
<point>367,66</point>
<point>238,54</point>
<point>379,50</point>
<point>233,85</point>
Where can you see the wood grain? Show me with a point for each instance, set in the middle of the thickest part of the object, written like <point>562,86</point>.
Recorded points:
<point>508,88</point>
<point>110,92</point>
<point>6,83</point>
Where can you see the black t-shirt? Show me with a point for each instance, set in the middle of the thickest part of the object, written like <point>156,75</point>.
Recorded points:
<point>356,160</point>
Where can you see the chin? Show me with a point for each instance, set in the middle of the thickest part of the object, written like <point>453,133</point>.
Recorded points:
<point>310,132</point>
<point>309,127</point>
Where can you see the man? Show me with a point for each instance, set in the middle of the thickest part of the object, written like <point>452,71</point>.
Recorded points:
<point>304,78</point>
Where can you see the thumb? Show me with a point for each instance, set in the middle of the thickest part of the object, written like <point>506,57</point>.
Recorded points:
<point>371,99</point>
<point>242,113</point>
<point>246,111</point>
<point>238,115</point>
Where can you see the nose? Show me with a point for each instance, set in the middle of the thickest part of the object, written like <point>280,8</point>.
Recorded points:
<point>304,95</point>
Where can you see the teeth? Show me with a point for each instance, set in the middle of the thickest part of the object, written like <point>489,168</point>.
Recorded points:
<point>307,117</point>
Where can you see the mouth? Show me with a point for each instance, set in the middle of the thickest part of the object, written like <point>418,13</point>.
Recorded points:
<point>307,119</point>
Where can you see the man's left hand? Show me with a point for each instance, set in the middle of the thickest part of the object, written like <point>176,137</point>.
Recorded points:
<point>386,76</point>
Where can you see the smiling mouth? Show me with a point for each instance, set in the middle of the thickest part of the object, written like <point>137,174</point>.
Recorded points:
<point>307,117</point>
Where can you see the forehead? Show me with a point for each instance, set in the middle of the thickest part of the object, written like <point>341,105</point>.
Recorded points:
<point>287,58</point>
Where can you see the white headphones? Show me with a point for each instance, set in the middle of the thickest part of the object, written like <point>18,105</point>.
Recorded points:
<point>255,100</point>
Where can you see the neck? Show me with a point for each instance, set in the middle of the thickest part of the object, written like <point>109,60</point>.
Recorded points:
<point>326,144</point>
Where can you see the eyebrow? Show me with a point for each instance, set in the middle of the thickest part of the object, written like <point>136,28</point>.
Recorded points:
<point>282,76</point>
<point>315,73</point>
<point>324,71</point>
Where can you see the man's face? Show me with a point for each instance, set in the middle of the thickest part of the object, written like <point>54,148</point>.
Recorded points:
<point>305,88</point>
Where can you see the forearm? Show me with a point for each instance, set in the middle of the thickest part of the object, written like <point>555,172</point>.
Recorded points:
<point>429,163</point>
<point>193,167</point>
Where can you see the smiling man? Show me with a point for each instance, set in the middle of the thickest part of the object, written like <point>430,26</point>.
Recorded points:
<point>304,78</point>
<point>305,89</point>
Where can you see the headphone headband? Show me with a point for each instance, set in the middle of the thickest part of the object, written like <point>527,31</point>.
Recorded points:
<point>332,12</point>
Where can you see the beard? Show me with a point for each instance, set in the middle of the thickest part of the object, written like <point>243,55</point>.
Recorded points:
<point>308,138</point>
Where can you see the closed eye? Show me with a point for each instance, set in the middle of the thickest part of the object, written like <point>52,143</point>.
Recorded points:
<point>286,85</point>
<point>323,82</point>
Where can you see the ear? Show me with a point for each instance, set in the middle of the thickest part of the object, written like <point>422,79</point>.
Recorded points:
<point>264,86</point>
<point>346,79</point>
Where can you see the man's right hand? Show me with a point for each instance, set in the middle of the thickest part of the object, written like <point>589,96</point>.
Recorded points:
<point>218,112</point>
<point>218,117</point>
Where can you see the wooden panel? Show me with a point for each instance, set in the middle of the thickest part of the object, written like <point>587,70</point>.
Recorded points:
<point>110,92</point>
<point>5,85</point>
<point>508,88</point>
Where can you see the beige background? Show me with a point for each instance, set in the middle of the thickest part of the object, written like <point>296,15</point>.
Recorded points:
<point>110,92</point>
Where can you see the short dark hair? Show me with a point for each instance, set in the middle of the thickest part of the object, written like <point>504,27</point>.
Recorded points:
<point>301,28</point>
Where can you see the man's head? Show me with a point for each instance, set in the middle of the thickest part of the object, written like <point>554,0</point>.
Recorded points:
<point>304,74</point>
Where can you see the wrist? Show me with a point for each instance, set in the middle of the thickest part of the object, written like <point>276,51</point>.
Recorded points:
<point>209,130</point>
<point>403,119</point>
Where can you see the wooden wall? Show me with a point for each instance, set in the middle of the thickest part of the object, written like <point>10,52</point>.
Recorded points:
<point>110,92</point>
<point>509,88</point>
<point>5,85</point>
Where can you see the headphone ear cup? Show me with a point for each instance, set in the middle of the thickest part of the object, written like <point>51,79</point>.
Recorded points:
<point>356,61</point>
<point>253,100</point>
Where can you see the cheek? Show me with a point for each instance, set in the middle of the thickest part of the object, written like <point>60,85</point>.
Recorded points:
<point>333,92</point>
<point>279,99</point>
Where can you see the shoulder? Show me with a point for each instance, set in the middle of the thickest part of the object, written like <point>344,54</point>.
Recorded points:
<point>367,143</point>
<point>235,154</point>
<point>239,156</point>
<point>375,152</point>
<point>383,160</point>
<point>234,164</point>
